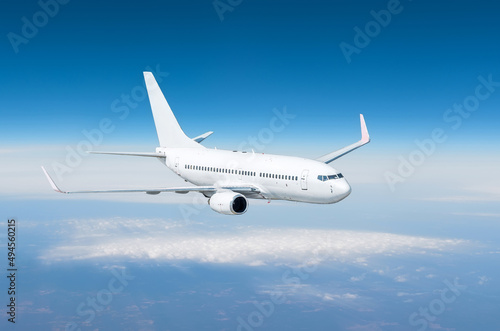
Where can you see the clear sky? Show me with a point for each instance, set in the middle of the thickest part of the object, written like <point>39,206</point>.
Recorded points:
<point>424,207</point>
<point>261,56</point>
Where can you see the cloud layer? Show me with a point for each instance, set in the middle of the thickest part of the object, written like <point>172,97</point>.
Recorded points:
<point>170,241</point>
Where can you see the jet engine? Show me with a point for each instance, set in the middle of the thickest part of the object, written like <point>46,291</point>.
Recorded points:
<point>228,203</point>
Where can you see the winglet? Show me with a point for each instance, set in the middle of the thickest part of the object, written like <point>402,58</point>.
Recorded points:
<point>51,182</point>
<point>365,137</point>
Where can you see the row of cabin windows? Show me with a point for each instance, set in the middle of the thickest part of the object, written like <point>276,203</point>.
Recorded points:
<point>239,172</point>
<point>220,170</point>
<point>275,176</point>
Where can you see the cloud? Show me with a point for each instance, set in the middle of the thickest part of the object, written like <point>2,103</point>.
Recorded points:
<point>358,278</point>
<point>332,297</point>
<point>471,194</point>
<point>462,198</point>
<point>494,215</point>
<point>166,240</point>
<point>401,278</point>
<point>483,280</point>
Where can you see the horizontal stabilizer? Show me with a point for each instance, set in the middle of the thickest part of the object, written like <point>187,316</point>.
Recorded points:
<point>202,137</point>
<point>128,153</point>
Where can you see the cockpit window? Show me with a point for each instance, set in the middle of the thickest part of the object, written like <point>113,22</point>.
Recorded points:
<point>330,177</point>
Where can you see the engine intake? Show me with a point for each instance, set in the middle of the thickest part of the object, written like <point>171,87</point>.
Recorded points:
<point>228,203</point>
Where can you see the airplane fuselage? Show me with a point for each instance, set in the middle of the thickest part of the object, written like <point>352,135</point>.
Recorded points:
<point>278,177</point>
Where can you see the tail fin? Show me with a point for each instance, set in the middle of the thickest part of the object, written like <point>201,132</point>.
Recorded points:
<point>169,132</point>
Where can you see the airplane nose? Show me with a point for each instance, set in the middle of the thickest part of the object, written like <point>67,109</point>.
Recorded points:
<point>342,189</point>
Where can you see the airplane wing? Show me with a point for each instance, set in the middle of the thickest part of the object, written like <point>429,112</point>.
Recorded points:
<point>365,139</point>
<point>186,189</point>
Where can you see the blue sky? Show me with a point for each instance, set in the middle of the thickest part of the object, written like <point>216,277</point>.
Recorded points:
<point>261,56</point>
<point>378,256</point>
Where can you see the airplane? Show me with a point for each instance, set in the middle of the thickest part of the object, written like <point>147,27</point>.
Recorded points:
<point>229,178</point>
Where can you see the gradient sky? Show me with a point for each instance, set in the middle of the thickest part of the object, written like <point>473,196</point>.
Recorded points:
<point>261,56</point>
<point>389,248</point>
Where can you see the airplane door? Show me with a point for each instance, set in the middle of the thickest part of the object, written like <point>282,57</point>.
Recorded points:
<point>303,179</point>
<point>177,165</point>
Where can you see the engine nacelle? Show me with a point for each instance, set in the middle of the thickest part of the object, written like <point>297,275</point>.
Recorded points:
<point>228,203</point>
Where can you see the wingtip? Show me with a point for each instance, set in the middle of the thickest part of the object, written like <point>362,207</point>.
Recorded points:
<point>365,137</point>
<point>51,182</point>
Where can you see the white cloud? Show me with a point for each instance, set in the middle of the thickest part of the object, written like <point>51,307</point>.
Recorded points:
<point>357,278</point>
<point>401,278</point>
<point>166,240</point>
<point>332,297</point>
<point>463,198</point>
<point>483,280</point>
<point>494,215</point>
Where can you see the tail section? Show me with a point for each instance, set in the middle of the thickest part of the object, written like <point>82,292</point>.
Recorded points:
<point>168,129</point>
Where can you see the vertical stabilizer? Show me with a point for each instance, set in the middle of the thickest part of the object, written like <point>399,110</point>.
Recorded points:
<point>169,132</point>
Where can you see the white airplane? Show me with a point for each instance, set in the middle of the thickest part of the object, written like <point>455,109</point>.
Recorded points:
<point>229,178</point>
